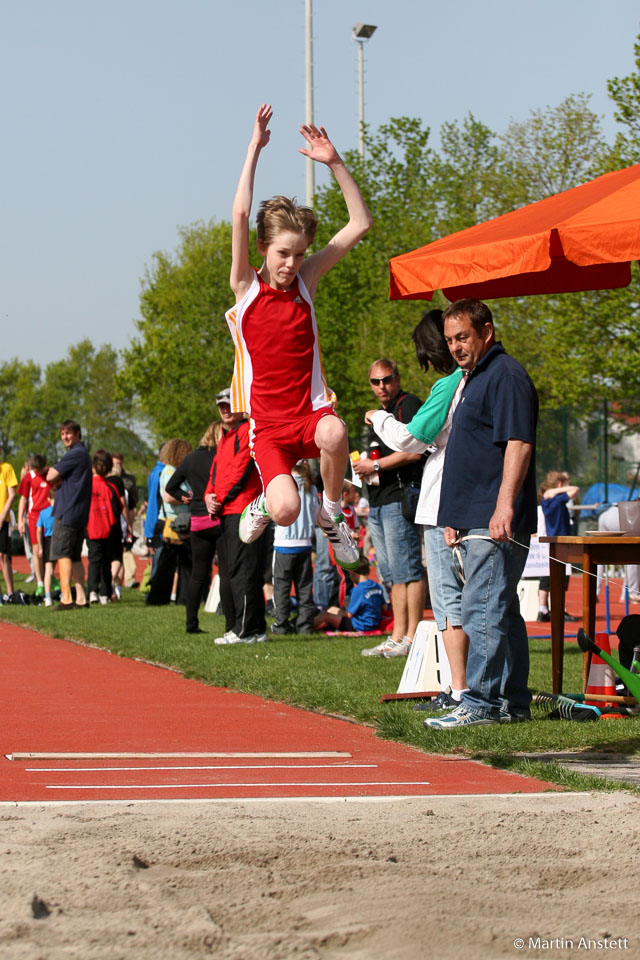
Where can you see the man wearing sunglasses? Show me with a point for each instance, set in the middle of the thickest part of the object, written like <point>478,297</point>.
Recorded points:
<point>488,506</point>
<point>396,540</point>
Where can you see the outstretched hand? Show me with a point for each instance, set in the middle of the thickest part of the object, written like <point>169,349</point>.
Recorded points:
<point>320,147</point>
<point>261,133</point>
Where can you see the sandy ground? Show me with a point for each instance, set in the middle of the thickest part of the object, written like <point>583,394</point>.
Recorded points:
<point>412,878</point>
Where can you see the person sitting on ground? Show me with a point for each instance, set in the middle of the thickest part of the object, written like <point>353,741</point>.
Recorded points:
<point>292,548</point>
<point>554,520</point>
<point>44,530</point>
<point>364,611</point>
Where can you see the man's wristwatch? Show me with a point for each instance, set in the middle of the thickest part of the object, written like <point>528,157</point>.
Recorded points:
<point>376,467</point>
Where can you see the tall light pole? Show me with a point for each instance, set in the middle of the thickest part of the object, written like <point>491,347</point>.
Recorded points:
<point>309,95</point>
<point>360,33</point>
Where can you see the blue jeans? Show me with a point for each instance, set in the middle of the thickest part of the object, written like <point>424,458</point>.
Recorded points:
<point>498,664</point>
<point>445,589</point>
<point>396,543</point>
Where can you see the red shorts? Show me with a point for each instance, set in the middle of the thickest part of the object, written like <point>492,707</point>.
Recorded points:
<point>32,519</point>
<point>277,447</point>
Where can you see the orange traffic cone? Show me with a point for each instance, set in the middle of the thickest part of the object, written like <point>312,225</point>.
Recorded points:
<point>601,679</point>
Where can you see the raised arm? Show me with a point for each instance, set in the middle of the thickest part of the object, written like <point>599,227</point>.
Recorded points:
<point>360,220</point>
<point>241,275</point>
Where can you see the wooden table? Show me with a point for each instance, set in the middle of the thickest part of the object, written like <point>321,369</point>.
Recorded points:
<point>588,551</point>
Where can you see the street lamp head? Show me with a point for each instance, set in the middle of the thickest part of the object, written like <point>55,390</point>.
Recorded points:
<point>363,31</point>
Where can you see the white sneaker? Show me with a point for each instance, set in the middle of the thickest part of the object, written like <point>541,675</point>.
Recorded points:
<point>253,521</point>
<point>48,602</point>
<point>397,648</point>
<point>93,597</point>
<point>30,579</point>
<point>345,549</point>
<point>378,651</point>
<point>231,637</point>
<point>104,601</point>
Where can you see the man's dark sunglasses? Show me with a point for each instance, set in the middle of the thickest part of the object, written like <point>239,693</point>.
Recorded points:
<point>376,381</point>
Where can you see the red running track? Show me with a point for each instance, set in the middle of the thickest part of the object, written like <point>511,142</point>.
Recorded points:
<point>61,698</point>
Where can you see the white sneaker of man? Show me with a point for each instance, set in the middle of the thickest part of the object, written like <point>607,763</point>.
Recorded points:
<point>345,549</point>
<point>253,520</point>
<point>397,648</point>
<point>382,648</point>
<point>230,637</point>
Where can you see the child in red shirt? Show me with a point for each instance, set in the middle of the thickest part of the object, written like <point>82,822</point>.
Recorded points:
<point>278,376</point>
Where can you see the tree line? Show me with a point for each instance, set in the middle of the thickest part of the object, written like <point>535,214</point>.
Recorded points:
<point>580,349</point>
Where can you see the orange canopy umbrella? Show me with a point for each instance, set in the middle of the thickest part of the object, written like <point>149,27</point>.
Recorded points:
<point>582,239</point>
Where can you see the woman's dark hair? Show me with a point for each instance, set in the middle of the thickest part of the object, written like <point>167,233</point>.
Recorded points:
<point>102,462</point>
<point>431,347</point>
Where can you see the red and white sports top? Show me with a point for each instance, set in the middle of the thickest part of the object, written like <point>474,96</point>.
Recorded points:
<point>35,488</point>
<point>278,371</point>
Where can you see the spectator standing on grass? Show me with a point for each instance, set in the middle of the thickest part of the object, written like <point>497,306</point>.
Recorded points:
<point>488,508</point>
<point>170,581</point>
<point>154,502</point>
<point>292,548</point>
<point>554,520</point>
<point>131,488</point>
<point>233,484</point>
<point>33,491</point>
<point>395,539</point>
<point>8,487</point>
<point>117,559</point>
<point>104,536</point>
<point>72,478</point>
<point>44,531</point>
<point>428,432</point>
<point>194,472</point>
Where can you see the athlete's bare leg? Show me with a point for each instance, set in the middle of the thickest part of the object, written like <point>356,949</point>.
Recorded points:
<point>283,500</point>
<point>333,442</point>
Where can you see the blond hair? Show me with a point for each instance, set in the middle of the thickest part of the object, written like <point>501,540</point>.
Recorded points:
<point>280,215</point>
<point>211,436</point>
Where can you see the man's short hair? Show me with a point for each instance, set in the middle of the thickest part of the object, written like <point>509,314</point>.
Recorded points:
<point>476,311</point>
<point>72,425</point>
<point>384,362</point>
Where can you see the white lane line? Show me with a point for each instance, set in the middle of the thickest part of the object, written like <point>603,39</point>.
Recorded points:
<point>185,755</point>
<point>247,786</point>
<point>221,766</point>
<point>383,798</point>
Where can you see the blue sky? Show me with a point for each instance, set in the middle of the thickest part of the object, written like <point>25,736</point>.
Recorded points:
<point>123,121</point>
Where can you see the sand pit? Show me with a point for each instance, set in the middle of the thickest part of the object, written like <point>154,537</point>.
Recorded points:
<point>250,881</point>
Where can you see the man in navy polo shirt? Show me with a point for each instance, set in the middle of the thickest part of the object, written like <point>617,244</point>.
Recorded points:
<point>72,476</point>
<point>488,507</point>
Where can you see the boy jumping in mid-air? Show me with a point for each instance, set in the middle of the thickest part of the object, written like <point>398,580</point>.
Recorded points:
<point>278,377</point>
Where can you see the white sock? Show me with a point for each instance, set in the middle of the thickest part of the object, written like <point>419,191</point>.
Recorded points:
<point>174,597</point>
<point>331,507</point>
<point>457,694</point>
<point>544,609</point>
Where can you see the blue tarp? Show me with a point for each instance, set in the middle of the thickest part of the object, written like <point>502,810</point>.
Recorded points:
<point>595,494</point>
